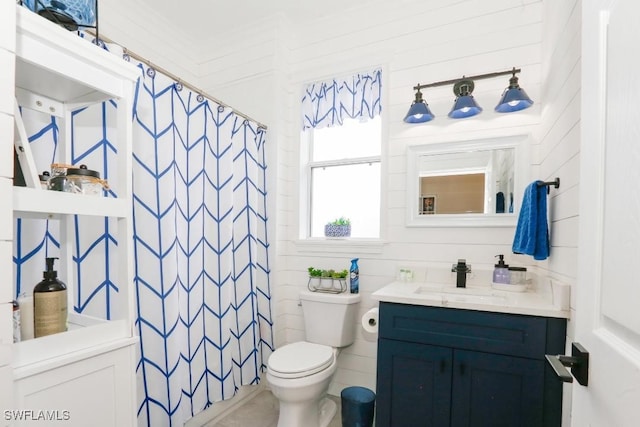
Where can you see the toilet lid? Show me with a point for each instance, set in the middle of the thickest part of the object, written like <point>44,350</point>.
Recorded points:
<point>300,359</point>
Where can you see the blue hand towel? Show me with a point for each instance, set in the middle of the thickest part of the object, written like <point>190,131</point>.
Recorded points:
<point>532,232</point>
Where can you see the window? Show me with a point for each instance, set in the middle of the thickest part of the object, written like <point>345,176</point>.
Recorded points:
<point>344,176</point>
<point>342,131</point>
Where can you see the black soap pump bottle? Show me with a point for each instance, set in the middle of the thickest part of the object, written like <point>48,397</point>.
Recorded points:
<point>49,303</point>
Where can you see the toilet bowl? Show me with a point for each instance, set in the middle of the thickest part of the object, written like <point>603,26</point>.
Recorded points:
<point>299,375</point>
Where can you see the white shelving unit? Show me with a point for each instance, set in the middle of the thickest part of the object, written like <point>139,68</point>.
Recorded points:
<point>89,370</point>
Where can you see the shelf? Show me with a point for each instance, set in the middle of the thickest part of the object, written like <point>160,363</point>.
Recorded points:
<point>85,332</point>
<point>56,73</point>
<point>47,204</point>
<point>58,64</point>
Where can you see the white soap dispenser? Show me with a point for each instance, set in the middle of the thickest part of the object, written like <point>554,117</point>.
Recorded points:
<point>501,272</point>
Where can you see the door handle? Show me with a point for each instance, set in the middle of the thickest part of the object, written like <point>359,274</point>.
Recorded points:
<point>578,362</point>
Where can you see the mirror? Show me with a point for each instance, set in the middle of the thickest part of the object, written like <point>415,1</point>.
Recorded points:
<point>466,183</point>
<point>471,182</point>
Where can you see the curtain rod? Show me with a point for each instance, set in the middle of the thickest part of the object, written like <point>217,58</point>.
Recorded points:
<point>177,79</point>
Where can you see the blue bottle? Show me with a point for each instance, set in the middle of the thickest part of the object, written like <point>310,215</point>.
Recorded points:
<point>354,276</point>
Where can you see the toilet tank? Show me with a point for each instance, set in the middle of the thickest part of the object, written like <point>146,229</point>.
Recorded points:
<point>330,319</point>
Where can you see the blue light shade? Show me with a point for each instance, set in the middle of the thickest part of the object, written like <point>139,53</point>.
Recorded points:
<point>465,106</point>
<point>419,111</point>
<point>514,98</point>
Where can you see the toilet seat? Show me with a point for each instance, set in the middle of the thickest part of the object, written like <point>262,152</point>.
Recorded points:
<point>300,359</point>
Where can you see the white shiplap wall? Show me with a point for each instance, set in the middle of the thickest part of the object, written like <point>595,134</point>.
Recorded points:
<point>419,42</point>
<point>416,41</point>
<point>142,30</point>
<point>559,146</point>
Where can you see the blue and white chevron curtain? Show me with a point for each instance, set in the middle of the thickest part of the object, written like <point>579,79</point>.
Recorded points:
<point>200,238</point>
<point>328,103</point>
<point>201,249</point>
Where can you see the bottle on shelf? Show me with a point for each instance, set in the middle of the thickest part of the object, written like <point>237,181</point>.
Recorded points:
<point>26,316</point>
<point>49,303</point>
<point>16,321</point>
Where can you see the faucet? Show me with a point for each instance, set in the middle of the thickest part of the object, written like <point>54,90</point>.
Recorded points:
<point>461,268</point>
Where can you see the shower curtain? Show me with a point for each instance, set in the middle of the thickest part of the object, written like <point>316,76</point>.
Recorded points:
<point>202,277</point>
<point>201,248</point>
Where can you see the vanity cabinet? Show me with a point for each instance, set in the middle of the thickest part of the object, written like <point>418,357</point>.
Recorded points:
<point>453,367</point>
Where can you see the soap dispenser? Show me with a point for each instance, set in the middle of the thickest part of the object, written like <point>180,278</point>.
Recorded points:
<point>501,271</point>
<point>49,303</point>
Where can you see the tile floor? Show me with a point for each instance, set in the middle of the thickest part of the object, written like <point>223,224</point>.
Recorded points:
<point>262,411</point>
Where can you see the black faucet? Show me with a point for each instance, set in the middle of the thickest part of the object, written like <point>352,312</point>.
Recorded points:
<point>461,268</point>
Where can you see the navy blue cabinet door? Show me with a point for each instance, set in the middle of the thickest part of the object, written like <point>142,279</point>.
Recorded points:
<point>492,390</point>
<point>413,384</point>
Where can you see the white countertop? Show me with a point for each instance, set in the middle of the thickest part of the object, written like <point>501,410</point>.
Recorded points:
<point>546,298</point>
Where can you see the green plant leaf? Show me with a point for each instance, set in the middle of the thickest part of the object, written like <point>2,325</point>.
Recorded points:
<point>340,221</point>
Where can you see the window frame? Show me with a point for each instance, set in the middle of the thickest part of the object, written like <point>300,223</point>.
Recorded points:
<point>307,141</point>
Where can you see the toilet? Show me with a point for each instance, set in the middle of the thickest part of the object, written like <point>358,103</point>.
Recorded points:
<point>299,373</point>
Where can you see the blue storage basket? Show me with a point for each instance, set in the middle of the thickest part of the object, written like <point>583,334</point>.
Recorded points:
<point>69,13</point>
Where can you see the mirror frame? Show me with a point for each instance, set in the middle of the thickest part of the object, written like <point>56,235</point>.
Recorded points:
<point>521,176</point>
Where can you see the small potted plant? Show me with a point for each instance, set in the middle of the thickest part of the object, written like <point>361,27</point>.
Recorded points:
<point>340,227</point>
<point>331,281</point>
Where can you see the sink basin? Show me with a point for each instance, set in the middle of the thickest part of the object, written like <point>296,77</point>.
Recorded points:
<point>468,295</point>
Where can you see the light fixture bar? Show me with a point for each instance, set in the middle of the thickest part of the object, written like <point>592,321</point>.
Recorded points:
<point>514,98</point>
<point>514,71</point>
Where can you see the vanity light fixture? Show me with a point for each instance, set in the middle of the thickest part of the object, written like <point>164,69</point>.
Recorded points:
<point>514,98</point>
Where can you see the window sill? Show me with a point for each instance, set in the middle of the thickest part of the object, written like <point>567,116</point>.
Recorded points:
<point>347,245</point>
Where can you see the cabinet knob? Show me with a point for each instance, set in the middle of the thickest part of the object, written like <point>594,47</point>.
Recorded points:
<point>578,362</point>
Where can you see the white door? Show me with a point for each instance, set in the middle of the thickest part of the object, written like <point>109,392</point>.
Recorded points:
<point>608,285</point>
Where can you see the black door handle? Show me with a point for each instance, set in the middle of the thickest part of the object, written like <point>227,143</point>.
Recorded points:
<point>578,362</point>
